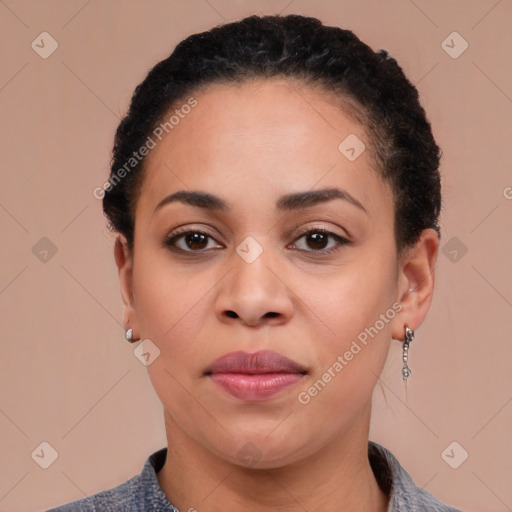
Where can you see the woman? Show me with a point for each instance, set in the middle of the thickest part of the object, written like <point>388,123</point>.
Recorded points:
<point>276,193</point>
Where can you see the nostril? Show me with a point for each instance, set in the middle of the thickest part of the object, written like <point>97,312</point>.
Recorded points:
<point>272,314</point>
<point>231,314</point>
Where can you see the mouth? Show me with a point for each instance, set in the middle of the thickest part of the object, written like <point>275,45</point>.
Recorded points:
<point>255,376</point>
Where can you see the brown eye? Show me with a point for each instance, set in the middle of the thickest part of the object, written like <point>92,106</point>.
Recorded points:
<point>196,240</point>
<point>190,241</point>
<point>318,239</point>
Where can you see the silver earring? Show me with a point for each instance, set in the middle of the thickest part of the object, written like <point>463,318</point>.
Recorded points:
<point>129,335</point>
<point>409,336</point>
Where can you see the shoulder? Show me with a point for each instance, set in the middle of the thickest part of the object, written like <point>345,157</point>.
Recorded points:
<point>140,493</point>
<point>121,497</point>
<point>404,495</point>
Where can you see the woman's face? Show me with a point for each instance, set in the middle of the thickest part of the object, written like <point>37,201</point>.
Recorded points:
<point>247,277</point>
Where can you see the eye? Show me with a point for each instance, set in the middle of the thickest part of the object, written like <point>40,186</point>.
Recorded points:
<point>197,241</point>
<point>319,237</point>
<point>194,240</point>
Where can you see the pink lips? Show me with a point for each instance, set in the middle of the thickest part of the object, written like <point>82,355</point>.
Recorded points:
<point>254,376</point>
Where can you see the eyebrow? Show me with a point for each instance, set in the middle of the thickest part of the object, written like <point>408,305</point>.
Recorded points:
<point>289,202</point>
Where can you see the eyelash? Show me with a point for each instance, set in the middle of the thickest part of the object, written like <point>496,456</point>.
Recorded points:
<point>170,241</point>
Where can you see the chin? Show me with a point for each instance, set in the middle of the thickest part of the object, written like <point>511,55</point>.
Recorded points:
<point>264,452</point>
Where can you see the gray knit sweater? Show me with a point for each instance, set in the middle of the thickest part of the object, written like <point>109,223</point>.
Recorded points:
<point>143,492</point>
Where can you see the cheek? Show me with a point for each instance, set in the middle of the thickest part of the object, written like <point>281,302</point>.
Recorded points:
<point>354,313</point>
<point>169,303</point>
<point>349,359</point>
<point>351,302</point>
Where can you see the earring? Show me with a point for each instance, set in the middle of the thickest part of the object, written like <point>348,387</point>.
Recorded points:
<point>129,335</point>
<point>409,336</point>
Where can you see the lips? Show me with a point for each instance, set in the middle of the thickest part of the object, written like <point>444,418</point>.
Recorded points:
<point>264,361</point>
<point>254,376</point>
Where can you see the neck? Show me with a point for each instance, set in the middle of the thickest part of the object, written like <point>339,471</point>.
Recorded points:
<point>194,479</point>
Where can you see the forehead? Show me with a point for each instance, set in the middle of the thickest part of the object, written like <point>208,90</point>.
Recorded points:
<point>258,140</point>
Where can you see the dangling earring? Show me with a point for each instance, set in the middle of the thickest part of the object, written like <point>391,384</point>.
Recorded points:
<point>409,336</point>
<point>129,335</point>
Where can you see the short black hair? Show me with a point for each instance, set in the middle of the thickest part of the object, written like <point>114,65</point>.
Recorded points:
<point>294,46</point>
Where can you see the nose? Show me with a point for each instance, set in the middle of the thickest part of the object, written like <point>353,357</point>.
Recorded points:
<point>254,293</point>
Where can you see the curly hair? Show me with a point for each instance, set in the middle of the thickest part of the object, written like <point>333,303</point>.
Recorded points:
<point>370,82</point>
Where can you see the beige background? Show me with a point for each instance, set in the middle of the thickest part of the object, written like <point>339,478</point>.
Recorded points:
<point>67,375</point>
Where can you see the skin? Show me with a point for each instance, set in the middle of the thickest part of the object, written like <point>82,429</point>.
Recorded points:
<point>250,144</point>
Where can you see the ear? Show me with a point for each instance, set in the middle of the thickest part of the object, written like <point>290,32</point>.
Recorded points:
<point>124,262</point>
<point>416,283</point>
